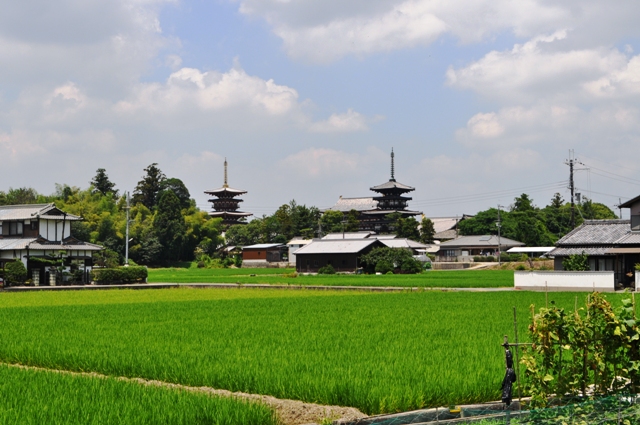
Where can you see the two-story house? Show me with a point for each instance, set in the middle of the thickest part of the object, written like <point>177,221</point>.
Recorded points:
<point>39,235</point>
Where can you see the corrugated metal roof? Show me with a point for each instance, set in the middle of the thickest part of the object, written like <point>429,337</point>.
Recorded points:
<point>347,235</point>
<point>531,249</point>
<point>358,204</point>
<point>381,237</point>
<point>479,241</point>
<point>299,242</point>
<point>596,232</point>
<point>336,246</point>
<point>263,246</point>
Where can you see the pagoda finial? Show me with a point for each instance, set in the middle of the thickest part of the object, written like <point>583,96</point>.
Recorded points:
<point>392,167</point>
<point>225,174</point>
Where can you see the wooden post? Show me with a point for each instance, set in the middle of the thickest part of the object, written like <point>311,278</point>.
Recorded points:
<point>515,328</point>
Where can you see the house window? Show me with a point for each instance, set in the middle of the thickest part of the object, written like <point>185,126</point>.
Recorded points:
<point>15,228</point>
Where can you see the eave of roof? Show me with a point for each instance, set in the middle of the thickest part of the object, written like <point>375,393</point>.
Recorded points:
<point>392,184</point>
<point>337,246</point>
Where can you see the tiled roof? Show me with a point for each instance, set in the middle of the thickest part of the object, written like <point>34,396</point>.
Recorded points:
<point>348,235</point>
<point>34,243</point>
<point>225,189</point>
<point>336,246</point>
<point>32,211</point>
<point>392,184</point>
<point>479,241</point>
<point>358,204</point>
<point>447,234</point>
<point>596,232</point>
<point>563,252</point>
<point>10,244</point>
<point>403,243</point>
<point>631,238</point>
<point>441,224</point>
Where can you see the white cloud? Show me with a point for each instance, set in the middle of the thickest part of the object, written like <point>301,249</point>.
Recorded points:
<point>323,163</point>
<point>326,30</point>
<point>347,122</point>
<point>536,69</point>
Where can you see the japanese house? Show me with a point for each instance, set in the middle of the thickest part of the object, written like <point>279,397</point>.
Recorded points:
<point>40,236</point>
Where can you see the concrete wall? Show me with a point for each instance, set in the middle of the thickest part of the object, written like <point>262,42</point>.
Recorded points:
<point>564,281</point>
<point>637,280</point>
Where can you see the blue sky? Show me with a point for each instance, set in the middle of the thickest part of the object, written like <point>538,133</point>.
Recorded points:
<point>481,100</point>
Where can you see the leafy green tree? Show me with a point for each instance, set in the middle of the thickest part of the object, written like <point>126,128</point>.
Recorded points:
<point>352,224</point>
<point>179,189</point>
<point>427,231</point>
<point>576,263</point>
<point>595,210</point>
<point>102,184</point>
<point>384,259</point>
<point>332,221</point>
<point>170,227</point>
<point>147,189</point>
<point>23,195</point>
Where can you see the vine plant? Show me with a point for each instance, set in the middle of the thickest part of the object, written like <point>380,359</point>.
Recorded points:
<point>594,350</point>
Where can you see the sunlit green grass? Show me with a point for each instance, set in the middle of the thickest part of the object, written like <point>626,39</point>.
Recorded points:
<point>376,352</point>
<point>41,397</point>
<point>435,278</point>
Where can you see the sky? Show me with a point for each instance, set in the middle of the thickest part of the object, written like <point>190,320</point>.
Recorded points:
<point>481,100</point>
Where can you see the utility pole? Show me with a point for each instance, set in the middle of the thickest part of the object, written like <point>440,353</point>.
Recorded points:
<point>126,246</point>
<point>570,162</point>
<point>499,226</point>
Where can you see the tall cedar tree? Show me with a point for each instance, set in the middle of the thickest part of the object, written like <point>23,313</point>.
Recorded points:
<point>102,184</point>
<point>148,188</point>
<point>427,231</point>
<point>170,227</point>
<point>179,189</point>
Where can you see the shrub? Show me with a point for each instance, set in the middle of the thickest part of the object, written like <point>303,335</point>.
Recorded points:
<point>637,266</point>
<point>384,266</point>
<point>411,265</point>
<point>490,259</point>
<point>15,272</point>
<point>521,267</point>
<point>477,259</point>
<point>131,274</point>
<point>328,269</point>
<point>576,263</point>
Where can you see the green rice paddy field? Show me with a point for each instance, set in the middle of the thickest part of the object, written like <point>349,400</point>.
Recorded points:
<point>433,279</point>
<point>41,397</point>
<point>379,352</point>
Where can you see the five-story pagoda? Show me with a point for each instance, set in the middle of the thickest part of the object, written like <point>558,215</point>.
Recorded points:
<point>225,204</point>
<point>391,200</point>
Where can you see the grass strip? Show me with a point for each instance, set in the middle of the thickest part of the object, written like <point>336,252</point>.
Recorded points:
<point>43,397</point>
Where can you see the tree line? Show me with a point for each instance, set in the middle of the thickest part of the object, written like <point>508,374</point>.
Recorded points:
<point>166,226</point>
<point>534,226</point>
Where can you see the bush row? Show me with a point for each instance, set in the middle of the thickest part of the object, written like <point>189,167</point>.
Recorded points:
<point>504,257</point>
<point>131,274</point>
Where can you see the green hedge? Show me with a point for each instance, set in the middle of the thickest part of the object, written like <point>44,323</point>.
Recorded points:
<point>131,274</point>
<point>15,272</point>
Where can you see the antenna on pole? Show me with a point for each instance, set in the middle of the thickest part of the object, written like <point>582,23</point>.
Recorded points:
<point>393,178</point>
<point>226,184</point>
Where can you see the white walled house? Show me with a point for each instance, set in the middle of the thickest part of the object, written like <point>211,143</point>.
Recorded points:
<point>38,234</point>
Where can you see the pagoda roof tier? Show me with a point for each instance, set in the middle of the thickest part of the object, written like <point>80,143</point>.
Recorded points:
<point>392,186</point>
<point>223,190</point>
<point>238,214</point>
<point>386,212</point>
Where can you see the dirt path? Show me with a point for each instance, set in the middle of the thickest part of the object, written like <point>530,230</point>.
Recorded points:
<point>290,412</point>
